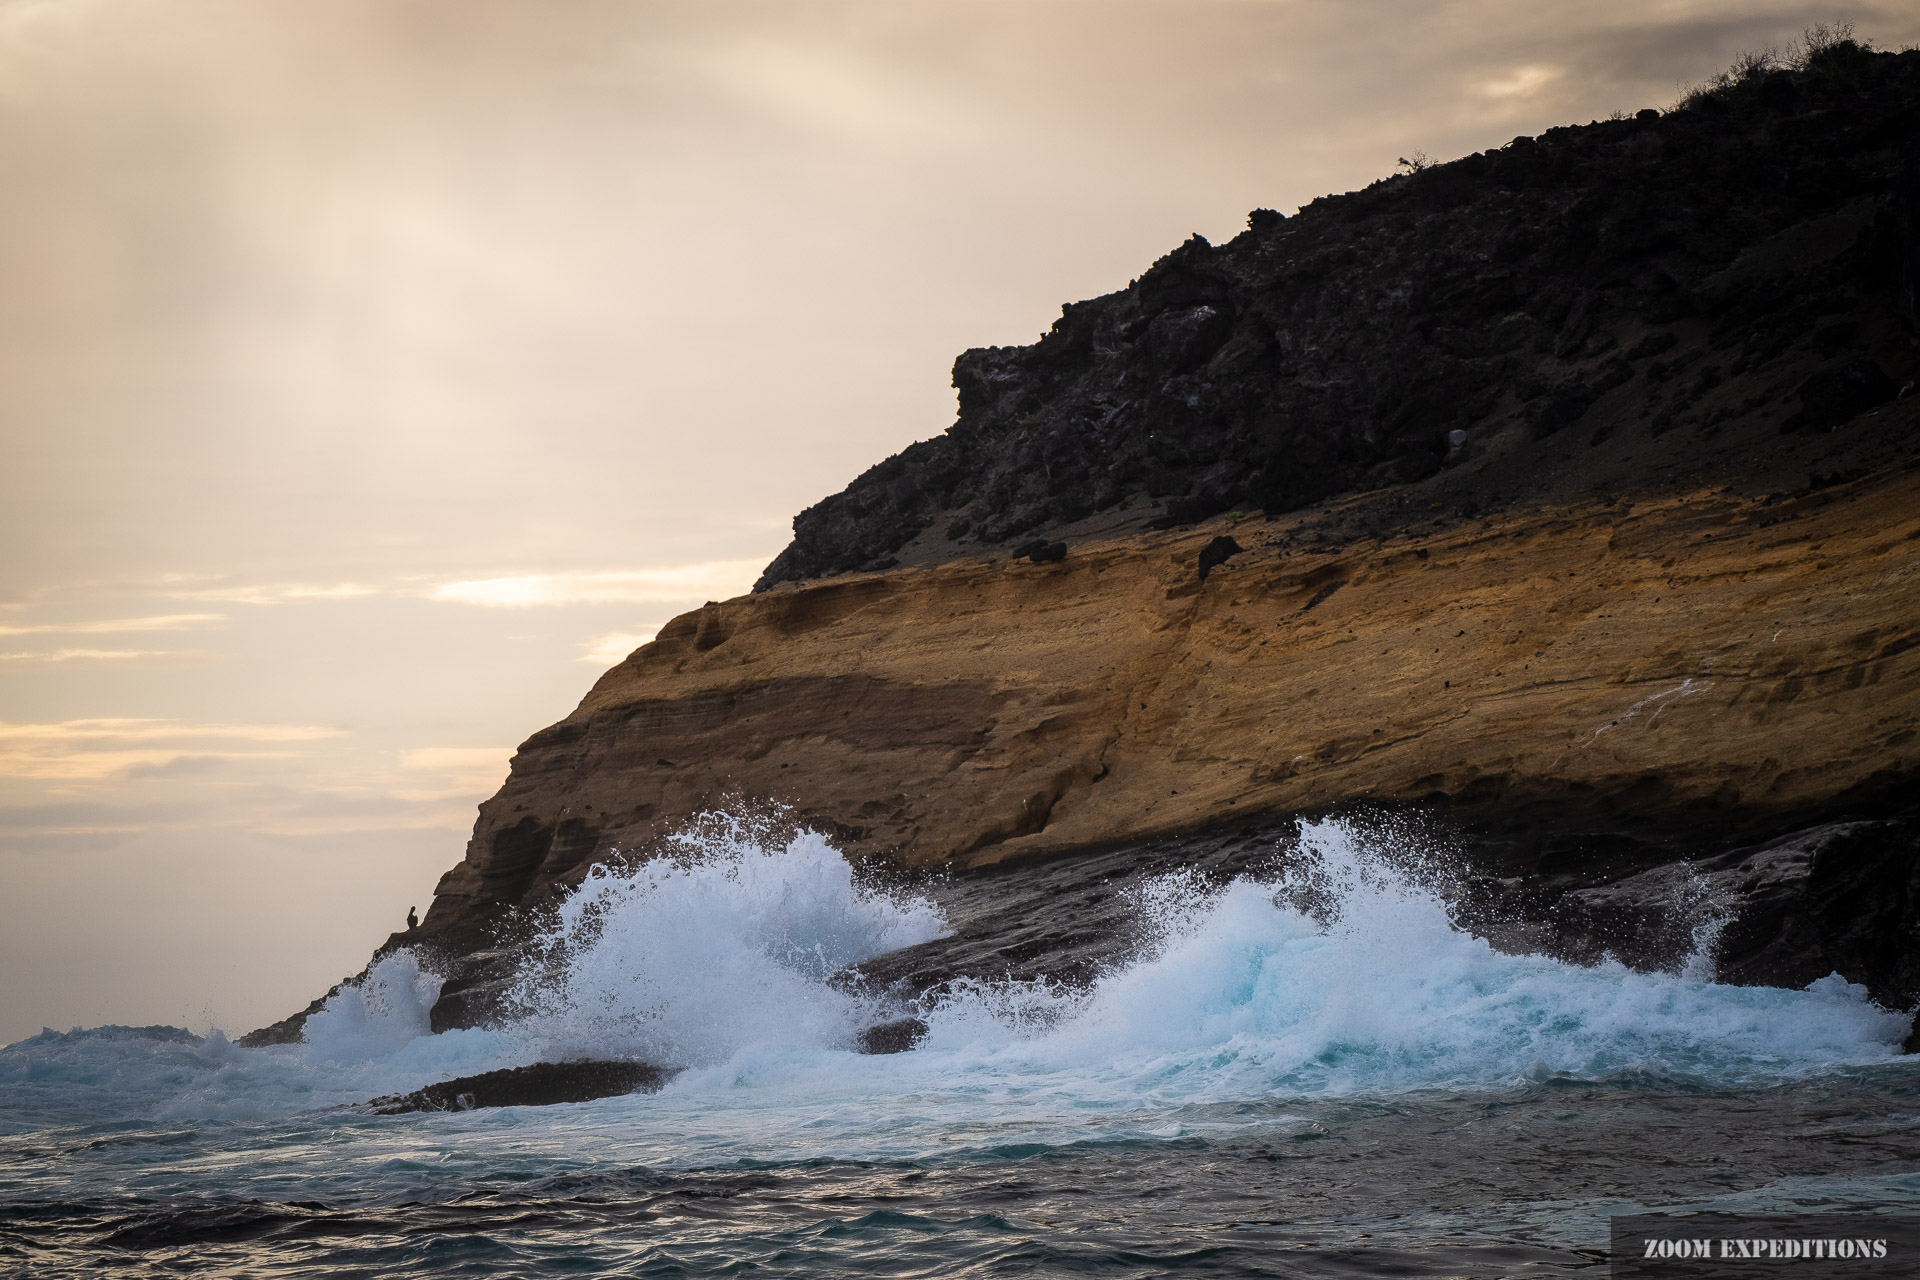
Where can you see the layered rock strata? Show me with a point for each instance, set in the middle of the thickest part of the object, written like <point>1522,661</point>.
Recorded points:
<point>1698,664</point>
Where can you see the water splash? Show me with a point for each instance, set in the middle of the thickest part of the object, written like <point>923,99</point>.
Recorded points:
<point>730,942</point>
<point>1703,903</point>
<point>1344,973</point>
<point>376,1016</point>
<point>1338,973</point>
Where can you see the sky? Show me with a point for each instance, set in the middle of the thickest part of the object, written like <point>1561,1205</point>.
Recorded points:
<point>374,374</point>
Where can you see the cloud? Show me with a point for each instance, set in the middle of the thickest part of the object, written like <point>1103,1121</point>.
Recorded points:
<point>845,96</point>
<point>49,656</point>
<point>464,772</point>
<point>273,592</point>
<point>92,750</point>
<point>1520,82</point>
<point>187,766</point>
<point>93,766</point>
<point>604,651</point>
<point>701,580</point>
<point>111,626</point>
<point>147,730</point>
<point>714,579</point>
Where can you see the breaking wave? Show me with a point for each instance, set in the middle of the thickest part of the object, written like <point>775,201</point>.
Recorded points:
<point>1340,975</point>
<point>728,942</point>
<point>1345,973</point>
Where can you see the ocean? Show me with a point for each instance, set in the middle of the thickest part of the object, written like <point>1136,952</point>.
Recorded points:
<point>1307,1069</point>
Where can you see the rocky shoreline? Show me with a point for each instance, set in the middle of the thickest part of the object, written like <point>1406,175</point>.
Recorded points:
<point>1565,499</point>
<point>1786,912</point>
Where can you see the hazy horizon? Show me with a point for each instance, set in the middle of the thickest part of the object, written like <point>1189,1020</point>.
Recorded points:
<point>376,374</point>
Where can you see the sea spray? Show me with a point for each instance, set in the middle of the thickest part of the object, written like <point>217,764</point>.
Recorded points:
<point>377,1015</point>
<point>1335,974</point>
<point>1701,903</point>
<point>1343,973</point>
<point>727,942</point>
<point>1337,970</point>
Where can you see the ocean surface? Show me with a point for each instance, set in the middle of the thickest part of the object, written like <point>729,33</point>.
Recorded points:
<point>1306,1071</point>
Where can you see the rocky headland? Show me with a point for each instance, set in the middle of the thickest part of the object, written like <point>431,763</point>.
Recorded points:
<point>1566,496</point>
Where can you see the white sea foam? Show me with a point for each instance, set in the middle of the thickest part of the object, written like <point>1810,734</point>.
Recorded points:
<point>689,959</point>
<point>1343,976</point>
<point>1373,988</point>
<point>377,1016</point>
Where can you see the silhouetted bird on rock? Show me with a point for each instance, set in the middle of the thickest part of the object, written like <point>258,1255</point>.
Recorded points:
<point>413,921</point>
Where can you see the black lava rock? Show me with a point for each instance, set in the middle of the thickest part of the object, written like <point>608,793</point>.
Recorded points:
<point>540,1085</point>
<point>1217,553</point>
<point>1840,897</point>
<point>897,1036</point>
<point>1834,396</point>
<point>1529,286</point>
<point>1048,553</point>
<point>1833,897</point>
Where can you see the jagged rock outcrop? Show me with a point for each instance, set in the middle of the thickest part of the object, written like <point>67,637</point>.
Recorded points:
<point>1718,272</point>
<point>1839,897</point>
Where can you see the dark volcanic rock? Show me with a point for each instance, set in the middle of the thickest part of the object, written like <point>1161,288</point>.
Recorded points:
<point>1048,553</point>
<point>1842,897</point>
<point>291,1029</point>
<point>1833,396</point>
<point>474,993</point>
<point>1063,919</point>
<point>897,1036</point>
<point>541,1085</point>
<point>1217,553</point>
<point>1673,270</point>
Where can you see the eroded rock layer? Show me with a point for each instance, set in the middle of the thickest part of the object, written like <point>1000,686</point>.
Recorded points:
<point>1703,662</point>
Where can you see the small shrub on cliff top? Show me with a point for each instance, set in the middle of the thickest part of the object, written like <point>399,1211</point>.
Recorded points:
<point>1822,47</point>
<point>1823,38</point>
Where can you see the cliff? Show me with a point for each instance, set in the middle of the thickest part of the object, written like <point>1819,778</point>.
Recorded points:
<point>1703,663</point>
<point>1703,278</point>
<point>1569,493</point>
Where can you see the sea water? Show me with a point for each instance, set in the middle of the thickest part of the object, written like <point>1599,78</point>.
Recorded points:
<point>1310,1071</point>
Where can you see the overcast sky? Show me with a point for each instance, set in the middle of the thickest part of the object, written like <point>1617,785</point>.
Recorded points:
<point>373,374</point>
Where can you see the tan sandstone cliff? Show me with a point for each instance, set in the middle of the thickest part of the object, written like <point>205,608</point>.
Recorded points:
<point>1703,653</point>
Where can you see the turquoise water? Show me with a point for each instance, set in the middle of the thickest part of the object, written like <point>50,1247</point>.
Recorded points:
<point>1307,1074</point>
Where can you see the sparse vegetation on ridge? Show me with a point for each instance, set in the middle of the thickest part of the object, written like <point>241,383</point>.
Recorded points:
<point>1823,49</point>
<point>1685,285</point>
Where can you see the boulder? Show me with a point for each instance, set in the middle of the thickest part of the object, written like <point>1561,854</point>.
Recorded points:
<point>897,1036</point>
<point>1217,553</point>
<point>541,1085</point>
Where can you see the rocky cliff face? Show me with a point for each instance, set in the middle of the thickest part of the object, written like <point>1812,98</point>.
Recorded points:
<point>1708,277</point>
<point>1706,665</point>
<point>1662,601</point>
